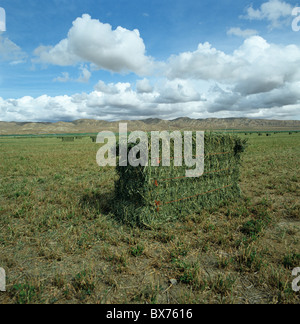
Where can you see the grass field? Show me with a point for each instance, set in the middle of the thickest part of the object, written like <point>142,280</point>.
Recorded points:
<point>60,243</point>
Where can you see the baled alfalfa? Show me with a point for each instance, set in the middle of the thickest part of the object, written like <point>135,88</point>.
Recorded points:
<point>152,195</point>
<point>68,139</point>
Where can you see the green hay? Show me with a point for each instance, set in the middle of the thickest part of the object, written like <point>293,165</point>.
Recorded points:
<point>68,139</point>
<point>152,195</point>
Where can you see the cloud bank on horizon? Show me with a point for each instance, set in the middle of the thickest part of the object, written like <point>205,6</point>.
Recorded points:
<point>257,78</point>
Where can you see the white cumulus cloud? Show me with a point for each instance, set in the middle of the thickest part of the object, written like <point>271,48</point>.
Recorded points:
<point>276,12</point>
<point>91,41</point>
<point>236,31</point>
<point>144,86</point>
<point>9,51</point>
<point>255,67</point>
<point>258,79</point>
<point>169,99</point>
<point>84,77</point>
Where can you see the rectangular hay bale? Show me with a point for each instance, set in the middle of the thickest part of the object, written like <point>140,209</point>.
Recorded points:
<point>152,195</point>
<point>68,139</point>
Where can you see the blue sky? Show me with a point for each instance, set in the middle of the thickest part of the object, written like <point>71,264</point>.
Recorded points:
<point>134,59</point>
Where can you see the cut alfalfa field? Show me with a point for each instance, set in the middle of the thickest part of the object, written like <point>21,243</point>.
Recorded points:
<point>60,241</point>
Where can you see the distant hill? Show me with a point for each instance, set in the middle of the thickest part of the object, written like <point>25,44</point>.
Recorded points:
<point>95,126</point>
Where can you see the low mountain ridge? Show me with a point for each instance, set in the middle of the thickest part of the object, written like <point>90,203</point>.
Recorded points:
<point>183,123</point>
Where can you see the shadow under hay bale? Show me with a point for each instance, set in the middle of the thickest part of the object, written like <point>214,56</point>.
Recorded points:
<point>147,196</point>
<point>101,202</point>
